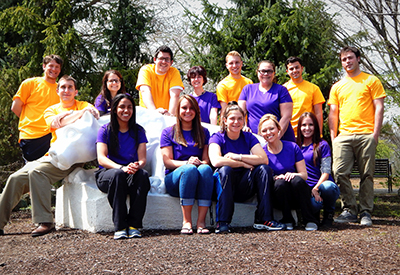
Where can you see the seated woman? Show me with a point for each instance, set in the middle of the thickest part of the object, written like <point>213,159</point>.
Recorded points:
<point>208,102</point>
<point>184,148</point>
<point>121,152</point>
<point>290,174</point>
<point>112,84</point>
<point>317,155</point>
<point>242,171</point>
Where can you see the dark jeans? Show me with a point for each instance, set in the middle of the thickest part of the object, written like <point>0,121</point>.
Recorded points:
<point>118,185</point>
<point>33,149</point>
<point>293,194</point>
<point>240,184</point>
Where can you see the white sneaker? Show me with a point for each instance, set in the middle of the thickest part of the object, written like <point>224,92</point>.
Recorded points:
<point>289,226</point>
<point>365,219</point>
<point>121,234</point>
<point>311,226</point>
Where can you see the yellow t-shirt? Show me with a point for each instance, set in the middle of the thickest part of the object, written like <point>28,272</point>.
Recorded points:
<point>159,84</point>
<point>56,109</point>
<point>37,95</point>
<point>354,98</point>
<point>229,88</point>
<point>304,95</point>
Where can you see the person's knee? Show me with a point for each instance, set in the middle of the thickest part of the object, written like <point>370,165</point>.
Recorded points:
<point>205,170</point>
<point>281,185</point>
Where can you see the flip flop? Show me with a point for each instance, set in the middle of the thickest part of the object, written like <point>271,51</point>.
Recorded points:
<point>186,231</point>
<point>201,230</point>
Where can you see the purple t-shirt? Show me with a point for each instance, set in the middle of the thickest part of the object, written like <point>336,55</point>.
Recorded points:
<point>242,145</point>
<point>314,172</point>
<point>127,152</point>
<point>179,151</point>
<point>101,105</point>
<point>207,101</point>
<point>259,104</point>
<point>286,160</point>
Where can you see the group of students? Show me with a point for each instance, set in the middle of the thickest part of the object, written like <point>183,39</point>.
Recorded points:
<point>288,172</point>
<point>282,174</point>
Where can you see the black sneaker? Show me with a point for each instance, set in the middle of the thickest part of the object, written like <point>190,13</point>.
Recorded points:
<point>1,232</point>
<point>222,228</point>
<point>346,216</point>
<point>327,220</point>
<point>269,225</point>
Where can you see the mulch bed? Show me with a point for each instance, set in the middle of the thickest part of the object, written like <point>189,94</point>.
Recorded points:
<point>343,249</point>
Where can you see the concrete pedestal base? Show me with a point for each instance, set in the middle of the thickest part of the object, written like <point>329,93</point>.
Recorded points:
<point>80,204</point>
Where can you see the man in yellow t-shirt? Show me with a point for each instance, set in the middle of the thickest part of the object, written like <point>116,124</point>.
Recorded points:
<point>229,88</point>
<point>38,176</point>
<point>159,84</point>
<point>32,98</point>
<point>356,105</point>
<point>306,96</point>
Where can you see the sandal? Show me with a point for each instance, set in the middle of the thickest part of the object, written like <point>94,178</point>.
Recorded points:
<point>186,231</point>
<point>201,230</point>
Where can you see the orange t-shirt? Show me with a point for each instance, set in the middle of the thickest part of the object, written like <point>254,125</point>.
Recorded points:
<point>37,95</point>
<point>354,97</point>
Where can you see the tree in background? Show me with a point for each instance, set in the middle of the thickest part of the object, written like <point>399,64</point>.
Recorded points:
<point>91,36</point>
<point>266,29</point>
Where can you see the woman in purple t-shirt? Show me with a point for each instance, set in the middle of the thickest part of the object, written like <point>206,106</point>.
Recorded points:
<point>184,148</point>
<point>267,97</point>
<point>242,171</point>
<point>112,84</point>
<point>208,102</point>
<point>317,155</point>
<point>286,160</point>
<point>121,152</point>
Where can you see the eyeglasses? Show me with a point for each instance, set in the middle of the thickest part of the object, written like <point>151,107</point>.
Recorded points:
<point>165,59</point>
<point>116,81</point>
<point>265,72</point>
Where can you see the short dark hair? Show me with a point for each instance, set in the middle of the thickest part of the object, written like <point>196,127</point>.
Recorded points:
<point>54,57</point>
<point>349,49</point>
<point>293,59</point>
<point>164,49</point>
<point>67,78</point>
<point>197,70</point>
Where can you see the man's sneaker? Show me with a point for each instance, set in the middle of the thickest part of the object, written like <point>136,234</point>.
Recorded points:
<point>1,232</point>
<point>222,228</point>
<point>133,233</point>
<point>121,234</point>
<point>346,216</point>
<point>365,219</point>
<point>270,226</point>
<point>289,226</point>
<point>311,226</point>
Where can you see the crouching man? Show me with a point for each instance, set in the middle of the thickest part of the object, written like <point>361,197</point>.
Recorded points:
<point>37,177</point>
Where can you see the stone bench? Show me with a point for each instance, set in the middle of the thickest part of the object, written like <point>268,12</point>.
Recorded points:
<point>81,205</point>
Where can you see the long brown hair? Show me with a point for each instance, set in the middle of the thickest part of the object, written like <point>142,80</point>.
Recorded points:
<point>105,92</point>
<point>316,137</point>
<point>197,130</point>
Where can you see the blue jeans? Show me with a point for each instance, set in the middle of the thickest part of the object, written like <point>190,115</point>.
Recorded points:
<point>329,193</point>
<point>189,182</point>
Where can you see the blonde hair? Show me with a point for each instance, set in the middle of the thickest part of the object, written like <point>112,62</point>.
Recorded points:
<point>266,117</point>
<point>232,53</point>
